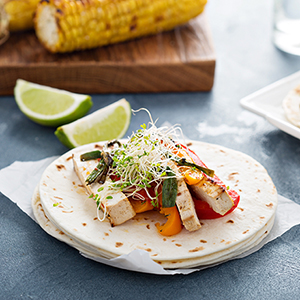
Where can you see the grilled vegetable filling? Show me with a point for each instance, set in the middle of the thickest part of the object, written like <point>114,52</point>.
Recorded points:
<point>151,171</point>
<point>140,164</point>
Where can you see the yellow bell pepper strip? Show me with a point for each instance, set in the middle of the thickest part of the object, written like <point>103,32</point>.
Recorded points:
<point>192,177</point>
<point>140,206</point>
<point>173,224</point>
<point>146,204</point>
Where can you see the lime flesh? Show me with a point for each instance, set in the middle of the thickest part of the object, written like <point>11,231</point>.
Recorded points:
<point>105,124</point>
<point>49,106</point>
<point>106,128</point>
<point>52,103</point>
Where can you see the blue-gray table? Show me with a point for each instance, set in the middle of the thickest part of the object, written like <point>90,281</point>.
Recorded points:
<point>34,265</point>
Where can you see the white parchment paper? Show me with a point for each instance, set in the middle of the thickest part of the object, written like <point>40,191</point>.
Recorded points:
<point>18,181</point>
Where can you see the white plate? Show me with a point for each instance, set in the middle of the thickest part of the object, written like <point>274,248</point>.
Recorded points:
<point>267,103</point>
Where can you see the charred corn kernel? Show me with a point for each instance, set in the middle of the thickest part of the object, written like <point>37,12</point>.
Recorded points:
<point>68,25</point>
<point>20,13</point>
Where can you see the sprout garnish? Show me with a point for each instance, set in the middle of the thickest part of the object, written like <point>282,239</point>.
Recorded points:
<point>142,163</point>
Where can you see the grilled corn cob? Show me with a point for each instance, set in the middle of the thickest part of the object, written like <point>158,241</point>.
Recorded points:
<point>4,33</point>
<point>20,13</point>
<point>68,25</point>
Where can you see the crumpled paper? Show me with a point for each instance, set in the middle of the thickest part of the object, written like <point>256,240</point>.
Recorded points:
<point>26,175</point>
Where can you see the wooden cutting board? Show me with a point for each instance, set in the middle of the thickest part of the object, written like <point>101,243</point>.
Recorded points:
<point>174,61</point>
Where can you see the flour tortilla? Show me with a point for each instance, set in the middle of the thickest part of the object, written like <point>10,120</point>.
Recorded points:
<point>45,223</point>
<point>216,241</point>
<point>209,260</point>
<point>291,106</point>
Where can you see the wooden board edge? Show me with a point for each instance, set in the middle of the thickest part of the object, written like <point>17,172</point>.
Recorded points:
<point>114,78</point>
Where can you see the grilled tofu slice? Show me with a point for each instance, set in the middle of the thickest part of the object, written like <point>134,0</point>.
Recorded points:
<point>185,203</point>
<point>211,190</point>
<point>215,195</point>
<point>118,208</point>
<point>186,207</point>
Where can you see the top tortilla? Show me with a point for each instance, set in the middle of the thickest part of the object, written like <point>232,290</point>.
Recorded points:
<point>76,214</point>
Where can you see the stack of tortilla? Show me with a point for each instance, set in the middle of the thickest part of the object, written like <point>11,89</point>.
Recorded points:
<point>64,210</point>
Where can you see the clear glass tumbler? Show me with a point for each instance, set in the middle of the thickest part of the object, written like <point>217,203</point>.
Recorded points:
<point>286,33</point>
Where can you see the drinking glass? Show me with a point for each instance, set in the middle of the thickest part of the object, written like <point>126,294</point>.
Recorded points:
<point>286,31</point>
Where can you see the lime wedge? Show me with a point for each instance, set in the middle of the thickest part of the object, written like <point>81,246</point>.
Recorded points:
<point>49,106</point>
<point>108,123</point>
